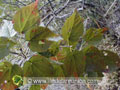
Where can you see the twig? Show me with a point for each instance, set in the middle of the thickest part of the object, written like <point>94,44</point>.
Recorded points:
<point>11,3</point>
<point>15,53</point>
<point>49,21</point>
<point>57,11</point>
<point>19,54</point>
<point>21,2</point>
<point>44,5</point>
<point>51,5</point>
<point>23,53</point>
<point>110,8</point>
<point>97,23</point>
<point>46,17</point>
<point>61,9</point>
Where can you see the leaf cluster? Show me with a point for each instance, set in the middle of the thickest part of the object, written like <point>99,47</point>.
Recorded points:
<point>56,59</point>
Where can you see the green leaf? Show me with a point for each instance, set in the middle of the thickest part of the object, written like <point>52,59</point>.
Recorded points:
<point>35,87</point>
<point>46,54</point>
<point>38,66</point>
<point>39,33</point>
<point>52,50</point>
<point>26,18</point>
<point>2,65</point>
<point>36,46</point>
<point>74,63</point>
<point>59,72</point>
<point>5,45</point>
<point>0,12</point>
<point>97,60</point>
<point>9,71</point>
<point>94,60</point>
<point>93,36</point>
<point>38,39</point>
<point>111,59</point>
<point>73,28</point>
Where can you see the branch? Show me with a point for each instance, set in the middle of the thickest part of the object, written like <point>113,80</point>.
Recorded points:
<point>21,2</point>
<point>66,15</point>
<point>49,21</point>
<point>45,5</point>
<point>51,5</point>
<point>61,9</point>
<point>23,53</point>
<point>15,53</point>
<point>110,8</point>
<point>11,3</point>
<point>56,12</point>
<point>19,54</point>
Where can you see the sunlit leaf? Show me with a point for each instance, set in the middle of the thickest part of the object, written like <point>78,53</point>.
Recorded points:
<point>39,33</point>
<point>73,28</point>
<point>52,50</point>
<point>36,46</point>
<point>26,18</point>
<point>93,36</point>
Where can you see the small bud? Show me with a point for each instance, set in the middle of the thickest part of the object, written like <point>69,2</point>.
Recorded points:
<point>104,30</point>
<point>34,13</point>
<point>43,40</point>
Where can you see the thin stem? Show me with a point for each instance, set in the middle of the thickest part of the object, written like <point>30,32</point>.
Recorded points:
<point>110,8</point>
<point>15,53</point>
<point>51,5</point>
